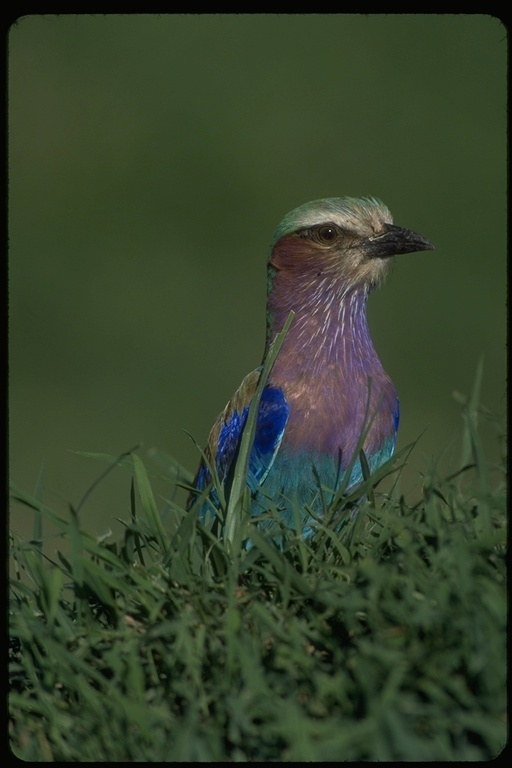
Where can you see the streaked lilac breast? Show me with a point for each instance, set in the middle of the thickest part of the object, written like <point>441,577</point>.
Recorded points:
<point>330,372</point>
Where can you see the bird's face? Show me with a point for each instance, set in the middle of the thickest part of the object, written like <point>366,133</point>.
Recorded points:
<point>349,241</point>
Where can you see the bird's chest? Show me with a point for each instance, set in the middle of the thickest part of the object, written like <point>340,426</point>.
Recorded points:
<point>332,408</point>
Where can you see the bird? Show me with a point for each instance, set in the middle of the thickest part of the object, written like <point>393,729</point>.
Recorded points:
<point>327,389</point>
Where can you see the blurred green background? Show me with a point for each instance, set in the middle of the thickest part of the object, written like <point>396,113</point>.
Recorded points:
<point>150,160</point>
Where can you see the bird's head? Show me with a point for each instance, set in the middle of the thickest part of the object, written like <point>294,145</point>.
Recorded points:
<point>347,240</point>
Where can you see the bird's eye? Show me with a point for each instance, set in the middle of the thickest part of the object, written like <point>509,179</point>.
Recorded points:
<point>327,234</point>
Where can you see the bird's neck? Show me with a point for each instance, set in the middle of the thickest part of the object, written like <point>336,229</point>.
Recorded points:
<point>329,329</point>
<point>329,370</point>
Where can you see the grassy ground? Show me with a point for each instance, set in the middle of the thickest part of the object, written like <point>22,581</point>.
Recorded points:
<point>385,641</point>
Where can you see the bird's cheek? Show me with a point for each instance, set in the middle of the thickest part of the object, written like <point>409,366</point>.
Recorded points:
<point>283,259</point>
<point>292,252</point>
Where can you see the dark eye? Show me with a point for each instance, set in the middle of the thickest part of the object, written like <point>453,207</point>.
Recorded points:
<point>327,234</point>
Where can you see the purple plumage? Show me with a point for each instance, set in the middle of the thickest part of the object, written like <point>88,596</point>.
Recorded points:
<point>327,386</point>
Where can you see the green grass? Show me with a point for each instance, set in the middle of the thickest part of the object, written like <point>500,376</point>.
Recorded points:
<point>385,641</point>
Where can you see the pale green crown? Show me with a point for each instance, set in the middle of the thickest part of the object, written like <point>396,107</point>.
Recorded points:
<point>362,215</point>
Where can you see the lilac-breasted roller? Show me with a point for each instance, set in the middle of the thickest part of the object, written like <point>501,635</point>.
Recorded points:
<point>327,387</point>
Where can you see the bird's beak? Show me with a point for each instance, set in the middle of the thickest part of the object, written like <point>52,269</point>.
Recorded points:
<point>394,240</point>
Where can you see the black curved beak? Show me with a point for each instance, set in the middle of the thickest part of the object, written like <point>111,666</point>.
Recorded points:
<point>394,240</point>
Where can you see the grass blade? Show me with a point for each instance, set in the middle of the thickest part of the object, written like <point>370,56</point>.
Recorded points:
<point>235,506</point>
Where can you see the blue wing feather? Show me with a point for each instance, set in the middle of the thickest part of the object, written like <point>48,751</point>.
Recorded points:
<point>226,434</point>
<point>270,425</point>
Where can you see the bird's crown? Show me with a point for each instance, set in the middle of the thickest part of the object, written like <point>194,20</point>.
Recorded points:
<point>363,215</point>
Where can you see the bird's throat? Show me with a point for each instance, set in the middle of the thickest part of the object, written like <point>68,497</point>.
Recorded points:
<point>329,328</point>
<point>329,370</point>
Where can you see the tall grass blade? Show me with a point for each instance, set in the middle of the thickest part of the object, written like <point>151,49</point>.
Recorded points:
<point>114,463</point>
<point>235,506</point>
<point>38,518</point>
<point>148,501</point>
